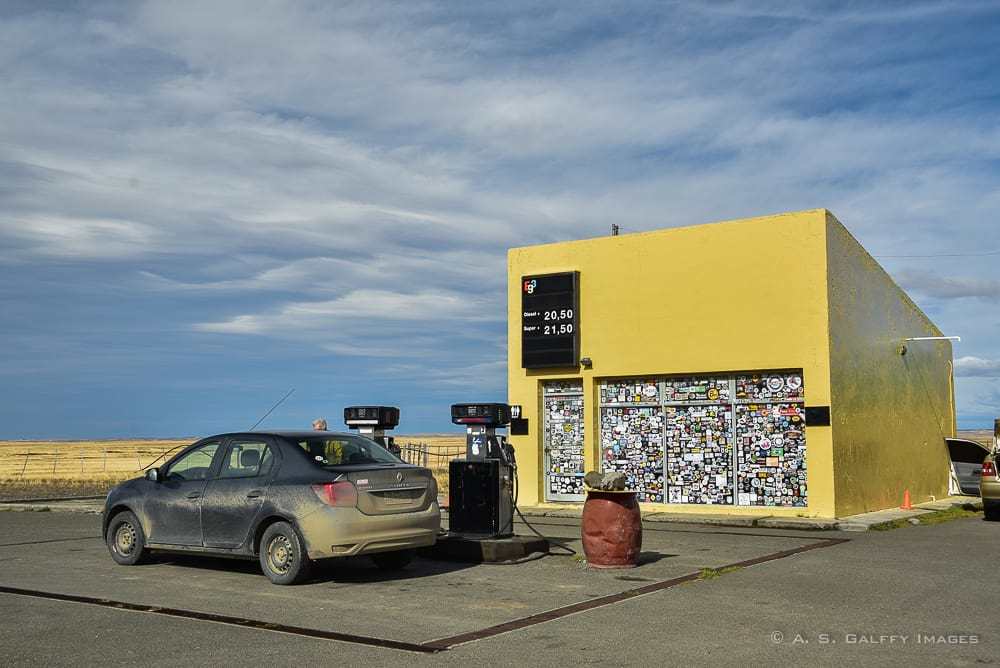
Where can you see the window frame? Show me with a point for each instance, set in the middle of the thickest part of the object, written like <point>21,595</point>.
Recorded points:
<point>212,467</point>
<point>232,441</point>
<point>294,443</point>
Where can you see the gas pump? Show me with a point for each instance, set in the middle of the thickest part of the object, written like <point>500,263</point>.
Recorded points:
<point>373,421</point>
<point>481,485</point>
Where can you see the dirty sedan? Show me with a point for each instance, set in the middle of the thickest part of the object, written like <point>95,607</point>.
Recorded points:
<point>285,498</point>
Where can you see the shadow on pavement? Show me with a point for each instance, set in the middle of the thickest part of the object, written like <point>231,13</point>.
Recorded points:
<point>348,569</point>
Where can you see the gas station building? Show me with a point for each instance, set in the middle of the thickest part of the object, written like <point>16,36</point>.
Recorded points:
<point>755,366</point>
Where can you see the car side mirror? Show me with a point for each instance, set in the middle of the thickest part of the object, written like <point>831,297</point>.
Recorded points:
<point>153,474</point>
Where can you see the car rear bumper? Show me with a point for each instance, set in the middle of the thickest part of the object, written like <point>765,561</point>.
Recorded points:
<point>346,532</point>
<point>990,491</point>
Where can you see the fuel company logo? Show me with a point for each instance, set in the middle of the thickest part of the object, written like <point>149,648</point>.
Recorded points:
<point>529,286</point>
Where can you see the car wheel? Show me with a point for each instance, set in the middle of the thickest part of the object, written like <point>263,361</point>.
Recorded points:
<point>282,555</point>
<point>393,561</point>
<point>991,512</point>
<point>125,539</point>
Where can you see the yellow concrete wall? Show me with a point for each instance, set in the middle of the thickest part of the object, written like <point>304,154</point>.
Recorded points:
<point>733,296</point>
<point>890,412</point>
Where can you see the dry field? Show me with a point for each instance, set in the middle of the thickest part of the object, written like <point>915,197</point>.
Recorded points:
<point>984,436</point>
<point>73,468</point>
<point>70,468</point>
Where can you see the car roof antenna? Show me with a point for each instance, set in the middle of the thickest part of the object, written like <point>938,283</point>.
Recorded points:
<point>271,409</point>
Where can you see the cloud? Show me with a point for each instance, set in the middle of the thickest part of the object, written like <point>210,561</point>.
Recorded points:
<point>343,180</point>
<point>70,238</point>
<point>977,366</point>
<point>446,329</point>
<point>361,305</point>
<point>948,287</point>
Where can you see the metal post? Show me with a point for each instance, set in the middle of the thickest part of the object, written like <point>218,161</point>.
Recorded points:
<point>55,461</point>
<point>105,468</point>
<point>23,468</point>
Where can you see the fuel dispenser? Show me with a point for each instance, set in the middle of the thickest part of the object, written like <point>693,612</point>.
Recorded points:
<point>481,486</point>
<point>373,421</point>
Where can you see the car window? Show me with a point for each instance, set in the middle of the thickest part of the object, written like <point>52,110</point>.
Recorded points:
<point>345,450</point>
<point>247,459</point>
<point>194,464</point>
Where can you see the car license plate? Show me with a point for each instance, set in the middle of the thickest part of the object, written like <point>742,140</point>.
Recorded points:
<point>396,498</point>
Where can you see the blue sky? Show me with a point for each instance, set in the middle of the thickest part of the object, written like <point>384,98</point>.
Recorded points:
<point>202,205</point>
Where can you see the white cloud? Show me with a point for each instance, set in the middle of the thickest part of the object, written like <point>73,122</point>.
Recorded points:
<point>449,327</point>
<point>76,238</point>
<point>948,287</point>
<point>445,308</point>
<point>348,177</point>
<point>977,366</point>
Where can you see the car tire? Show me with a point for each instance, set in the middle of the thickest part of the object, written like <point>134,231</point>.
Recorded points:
<point>283,556</point>
<point>125,539</point>
<point>393,561</point>
<point>991,512</point>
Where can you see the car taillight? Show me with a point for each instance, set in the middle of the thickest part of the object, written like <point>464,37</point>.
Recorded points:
<point>989,470</point>
<point>339,494</point>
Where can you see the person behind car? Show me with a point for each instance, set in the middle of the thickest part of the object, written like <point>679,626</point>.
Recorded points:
<point>319,424</point>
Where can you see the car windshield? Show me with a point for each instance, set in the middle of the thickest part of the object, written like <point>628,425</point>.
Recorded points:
<point>345,450</point>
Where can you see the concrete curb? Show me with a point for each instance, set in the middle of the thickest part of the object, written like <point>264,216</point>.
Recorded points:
<point>884,518</point>
<point>52,507</point>
<point>861,522</point>
<point>79,506</point>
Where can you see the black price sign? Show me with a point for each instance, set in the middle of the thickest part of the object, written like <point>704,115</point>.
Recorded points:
<point>550,320</point>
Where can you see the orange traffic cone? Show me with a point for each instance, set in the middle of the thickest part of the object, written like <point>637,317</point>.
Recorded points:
<point>906,501</point>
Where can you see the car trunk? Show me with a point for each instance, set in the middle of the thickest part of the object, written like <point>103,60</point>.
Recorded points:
<point>390,490</point>
<point>966,463</point>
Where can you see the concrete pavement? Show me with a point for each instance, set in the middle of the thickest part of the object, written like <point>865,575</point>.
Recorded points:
<point>845,602</point>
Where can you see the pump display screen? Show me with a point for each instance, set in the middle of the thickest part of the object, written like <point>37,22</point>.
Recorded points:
<point>550,320</point>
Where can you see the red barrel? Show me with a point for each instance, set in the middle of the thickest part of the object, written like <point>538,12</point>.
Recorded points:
<point>612,529</point>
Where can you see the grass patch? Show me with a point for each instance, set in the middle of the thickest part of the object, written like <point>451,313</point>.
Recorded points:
<point>930,519</point>
<point>712,573</point>
<point>955,513</point>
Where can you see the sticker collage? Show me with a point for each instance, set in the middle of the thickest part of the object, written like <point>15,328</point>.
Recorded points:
<point>563,437</point>
<point>771,455</point>
<point>632,435</point>
<point>679,440</point>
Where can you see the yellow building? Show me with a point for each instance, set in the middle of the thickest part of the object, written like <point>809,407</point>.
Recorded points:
<point>755,366</point>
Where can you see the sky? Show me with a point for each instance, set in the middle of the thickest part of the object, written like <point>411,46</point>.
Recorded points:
<point>206,204</point>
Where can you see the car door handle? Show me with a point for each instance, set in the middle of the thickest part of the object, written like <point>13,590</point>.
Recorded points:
<point>194,495</point>
<point>254,494</point>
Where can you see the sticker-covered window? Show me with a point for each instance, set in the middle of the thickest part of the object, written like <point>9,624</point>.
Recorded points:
<point>630,392</point>
<point>734,439</point>
<point>771,454</point>
<point>562,434</point>
<point>699,454</point>
<point>632,442</point>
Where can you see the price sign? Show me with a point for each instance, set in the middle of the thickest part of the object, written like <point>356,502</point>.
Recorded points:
<point>550,320</point>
